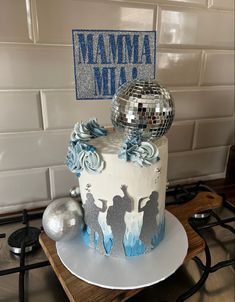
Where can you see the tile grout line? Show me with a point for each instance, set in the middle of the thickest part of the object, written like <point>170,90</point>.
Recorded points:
<point>29,19</point>
<point>195,134</point>
<point>177,88</point>
<point>202,67</point>
<point>43,111</point>
<point>62,164</point>
<point>40,111</point>
<point>162,46</point>
<point>201,150</point>
<point>155,19</point>
<point>34,21</point>
<point>178,122</point>
<point>226,161</point>
<point>48,184</point>
<point>197,178</point>
<point>210,3</point>
<point>189,6</point>
<point>42,168</point>
<point>51,184</point>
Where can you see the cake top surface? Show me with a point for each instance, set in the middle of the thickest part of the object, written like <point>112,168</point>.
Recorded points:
<point>111,143</point>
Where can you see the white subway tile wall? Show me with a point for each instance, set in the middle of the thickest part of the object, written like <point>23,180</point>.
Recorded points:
<point>20,111</point>
<point>195,59</point>
<point>24,188</point>
<point>174,67</point>
<point>36,66</point>
<point>223,4</point>
<point>215,132</point>
<point>197,103</point>
<point>195,27</point>
<point>60,109</point>
<point>218,68</point>
<point>13,21</point>
<point>60,16</point>
<point>197,163</point>
<point>180,136</point>
<point>62,180</point>
<point>182,2</point>
<point>33,149</point>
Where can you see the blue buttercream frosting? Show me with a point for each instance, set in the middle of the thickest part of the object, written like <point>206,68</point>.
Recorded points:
<point>72,158</point>
<point>132,245</point>
<point>87,130</point>
<point>95,129</point>
<point>90,160</point>
<point>80,133</point>
<point>82,156</point>
<point>142,153</point>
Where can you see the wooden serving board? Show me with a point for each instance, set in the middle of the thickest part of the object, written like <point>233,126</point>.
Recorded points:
<point>80,291</point>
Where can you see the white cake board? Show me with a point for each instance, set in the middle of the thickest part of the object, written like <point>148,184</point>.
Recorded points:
<point>130,272</point>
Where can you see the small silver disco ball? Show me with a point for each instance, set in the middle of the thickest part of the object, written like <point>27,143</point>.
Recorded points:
<point>63,219</point>
<point>143,107</point>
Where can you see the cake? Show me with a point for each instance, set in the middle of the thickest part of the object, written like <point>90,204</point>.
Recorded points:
<point>122,176</point>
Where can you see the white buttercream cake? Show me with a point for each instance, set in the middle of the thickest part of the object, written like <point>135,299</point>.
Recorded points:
<point>124,203</point>
<point>122,175</point>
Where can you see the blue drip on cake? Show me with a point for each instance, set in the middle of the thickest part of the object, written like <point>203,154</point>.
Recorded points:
<point>132,245</point>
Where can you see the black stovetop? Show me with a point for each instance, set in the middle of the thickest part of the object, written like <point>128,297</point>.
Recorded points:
<point>28,276</point>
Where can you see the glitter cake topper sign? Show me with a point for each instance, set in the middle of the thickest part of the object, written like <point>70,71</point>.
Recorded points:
<point>106,59</point>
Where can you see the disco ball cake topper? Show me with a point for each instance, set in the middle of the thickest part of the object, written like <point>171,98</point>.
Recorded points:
<point>143,107</point>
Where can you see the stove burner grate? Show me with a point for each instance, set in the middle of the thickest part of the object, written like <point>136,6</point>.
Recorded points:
<point>27,236</point>
<point>26,239</point>
<point>183,194</point>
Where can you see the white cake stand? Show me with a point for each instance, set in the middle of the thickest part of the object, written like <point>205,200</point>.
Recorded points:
<point>131,272</point>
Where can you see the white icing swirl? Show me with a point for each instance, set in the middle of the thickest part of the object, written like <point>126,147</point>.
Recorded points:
<point>82,156</point>
<point>91,161</point>
<point>149,152</point>
<point>80,132</point>
<point>143,154</point>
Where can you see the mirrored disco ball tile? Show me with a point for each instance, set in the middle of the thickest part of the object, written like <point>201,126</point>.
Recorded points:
<point>145,106</point>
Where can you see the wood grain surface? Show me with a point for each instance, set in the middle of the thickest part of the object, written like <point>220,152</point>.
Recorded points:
<point>80,291</point>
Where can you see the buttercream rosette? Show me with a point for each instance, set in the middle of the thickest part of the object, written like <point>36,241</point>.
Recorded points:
<point>82,156</point>
<point>142,153</point>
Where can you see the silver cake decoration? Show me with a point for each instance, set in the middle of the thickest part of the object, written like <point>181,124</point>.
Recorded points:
<point>149,226</point>
<point>74,192</point>
<point>112,235</point>
<point>63,219</point>
<point>115,218</point>
<point>91,214</point>
<point>143,107</point>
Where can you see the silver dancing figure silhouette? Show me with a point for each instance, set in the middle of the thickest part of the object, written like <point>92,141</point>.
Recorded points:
<point>149,225</point>
<point>91,211</point>
<point>115,218</point>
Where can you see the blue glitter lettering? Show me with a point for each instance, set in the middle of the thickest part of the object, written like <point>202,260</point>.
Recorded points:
<point>112,80</point>
<point>105,59</point>
<point>134,73</point>
<point>102,80</point>
<point>146,51</point>
<point>100,51</point>
<point>85,49</point>
<point>112,49</point>
<point>131,49</point>
<point>122,78</point>
<point>120,49</point>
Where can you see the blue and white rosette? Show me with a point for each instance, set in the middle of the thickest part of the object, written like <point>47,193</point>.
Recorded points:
<point>82,156</point>
<point>141,153</point>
